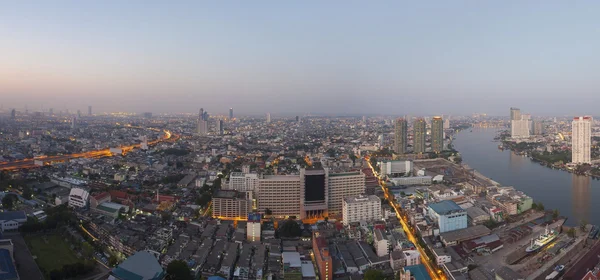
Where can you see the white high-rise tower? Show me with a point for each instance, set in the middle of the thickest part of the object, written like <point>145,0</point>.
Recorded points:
<point>582,138</point>
<point>268,117</point>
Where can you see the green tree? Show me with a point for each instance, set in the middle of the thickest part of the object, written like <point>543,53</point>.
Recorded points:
<point>555,214</point>
<point>290,228</point>
<point>374,274</point>
<point>540,206</point>
<point>112,261</point>
<point>178,270</point>
<point>534,206</point>
<point>583,225</point>
<point>27,192</point>
<point>8,201</point>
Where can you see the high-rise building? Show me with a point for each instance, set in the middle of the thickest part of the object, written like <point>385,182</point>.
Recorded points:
<point>280,194</point>
<point>582,138</point>
<point>74,122</point>
<point>201,114</point>
<point>243,182</point>
<point>13,114</point>
<point>89,110</point>
<point>220,127</point>
<point>447,124</point>
<point>364,119</point>
<point>202,128</point>
<point>515,114</point>
<point>342,185</point>
<point>230,113</point>
<point>148,115</point>
<point>419,131</point>
<point>268,117</point>
<point>297,118</point>
<point>231,204</point>
<point>79,113</point>
<point>400,136</point>
<point>51,111</point>
<point>313,192</point>
<point>381,140</point>
<point>538,127</point>
<point>437,134</point>
<point>361,208</point>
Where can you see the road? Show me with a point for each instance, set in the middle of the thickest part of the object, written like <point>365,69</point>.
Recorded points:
<point>30,163</point>
<point>436,275</point>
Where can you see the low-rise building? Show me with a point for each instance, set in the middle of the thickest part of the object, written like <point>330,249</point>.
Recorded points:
<point>12,220</point>
<point>78,198</point>
<point>381,243</point>
<point>447,215</point>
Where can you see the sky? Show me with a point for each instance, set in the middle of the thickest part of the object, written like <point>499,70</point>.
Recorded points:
<point>302,57</point>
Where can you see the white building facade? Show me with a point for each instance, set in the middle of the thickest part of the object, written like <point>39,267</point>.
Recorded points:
<point>78,198</point>
<point>280,194</point>
<point>361,208</point>
<point>342,185</point>
<point>582,139</point>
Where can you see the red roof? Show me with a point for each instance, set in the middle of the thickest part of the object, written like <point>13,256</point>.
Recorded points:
<point>119,195</point>
<point>101,196</point>
<point>162,198</point>
<point>590,276</point>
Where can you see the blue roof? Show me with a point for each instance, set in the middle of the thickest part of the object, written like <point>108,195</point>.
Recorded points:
<point>418,271</point>
<point>7,268</point>
<point>445,207</point>
<point>12,215</point>
<point>216,278</point>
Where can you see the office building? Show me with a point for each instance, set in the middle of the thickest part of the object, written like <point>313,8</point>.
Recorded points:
<point>202,127</point>
<point>230,204</point>
<point>13,114</point>
<point>400,136</point>
<point>448,215</point>
<point>313,192</point>
<point>268,117</point>
<point>220,127</point>
<point>73,122</point>
<point>582,138</point>
<point>419,132</point>
<point>361,208</point>
<point>515,114</point>
<point>280,194</point>
<point>230,113</point>
<point>253,227</point>
<point>89,110</point>
<point>322,257</point>
<point>437,134</point>
<point>342,185</point>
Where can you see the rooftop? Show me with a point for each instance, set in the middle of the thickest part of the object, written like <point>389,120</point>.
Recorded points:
<point>445,207</point>
<point>141,266</point>
<point>465,234</point>
<point>7,268</point>
<point>12,215</point>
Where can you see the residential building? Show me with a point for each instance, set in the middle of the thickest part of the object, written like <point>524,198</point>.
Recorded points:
<point>361,208</point>
<point>342,185</point>
<point>448,215</point>
<point>582,139</point>
<point>78,198</point>
<point>519,128</point>
<point>538,127</point>
<point>400,136</point>
<point>230,204</point>
<point>280,194</point>
<point>243,182</point>
<point>437,134</point>
<point>140,266</point>
<point>419,132</point>
<point>381,243</point>
<point>515,114</point>
<point>322,257</point>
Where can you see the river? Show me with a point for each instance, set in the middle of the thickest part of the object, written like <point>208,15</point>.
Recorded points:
<point>556,189</point>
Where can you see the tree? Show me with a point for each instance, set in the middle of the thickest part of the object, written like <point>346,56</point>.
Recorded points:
<point>8,201</point>
<point>374,274</point>
<point>583,225</point>
<point>555,214</point>
<point>27,192</point>
<point>571,232</point>
<point>178,270</point>
<point>540,206</point>
<point>534,206</point>
<point>290,228</point>
<point>112,261</point>
<point>87,249</point>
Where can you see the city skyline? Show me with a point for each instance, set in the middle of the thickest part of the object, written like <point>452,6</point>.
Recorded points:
<point>421,58</point>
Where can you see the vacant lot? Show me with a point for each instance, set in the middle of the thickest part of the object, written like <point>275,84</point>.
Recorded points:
<point>51,252</point>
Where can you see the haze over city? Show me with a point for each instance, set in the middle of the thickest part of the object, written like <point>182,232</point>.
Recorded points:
<point>290,58</point>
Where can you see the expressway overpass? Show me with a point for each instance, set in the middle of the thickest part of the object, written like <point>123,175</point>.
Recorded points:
<point>45,160</point>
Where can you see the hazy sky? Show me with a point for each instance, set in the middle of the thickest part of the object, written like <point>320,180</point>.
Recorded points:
<point>340,57</point>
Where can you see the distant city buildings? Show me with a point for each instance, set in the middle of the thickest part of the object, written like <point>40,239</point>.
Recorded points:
<point>581,142</point>
<point>538,127</point>
<point>230,113</point>
<point>268,117</point>
<point>437,134</point>
<point>90,111</point>
<point>400,136</point>
<point>419,132</point>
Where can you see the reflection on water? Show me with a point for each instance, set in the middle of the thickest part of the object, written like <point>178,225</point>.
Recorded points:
<point>581,186</point>
<point>570,194</point>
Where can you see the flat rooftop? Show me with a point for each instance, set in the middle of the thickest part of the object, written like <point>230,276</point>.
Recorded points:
<point>465,234</point>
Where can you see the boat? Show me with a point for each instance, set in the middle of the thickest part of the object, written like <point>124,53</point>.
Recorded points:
<point>542,240</point>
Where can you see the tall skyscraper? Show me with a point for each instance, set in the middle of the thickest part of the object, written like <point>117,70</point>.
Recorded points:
<point>201,114</point>
<point>51,111</point>
<point>74,122</point>
<point>13,114</point>
<point>419,131</point>
<point>202,128</point>
<point>89,110</point>
<point>230,113</point>
<point>297,119</point>
<point>515,114</point>
<point>538,127</point>
<point>220,127</point>
<point>400,136</point>
<point>582,138</point>
<point>268,117</point>
<point>78,113</point>
<point>519,124</point>
<point>437,134</point>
